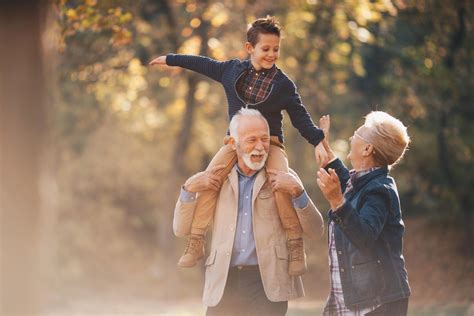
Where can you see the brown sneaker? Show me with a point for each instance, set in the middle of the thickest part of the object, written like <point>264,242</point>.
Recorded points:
<point>297,260</point>
<point>194,251</point>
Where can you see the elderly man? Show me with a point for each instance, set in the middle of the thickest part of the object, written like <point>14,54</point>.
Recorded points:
<point>246,271</point>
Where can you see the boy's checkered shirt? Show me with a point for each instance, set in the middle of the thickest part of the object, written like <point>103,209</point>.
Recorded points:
<point>255,86</point>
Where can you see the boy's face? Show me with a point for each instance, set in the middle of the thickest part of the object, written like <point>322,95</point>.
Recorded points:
<point>266,51</point>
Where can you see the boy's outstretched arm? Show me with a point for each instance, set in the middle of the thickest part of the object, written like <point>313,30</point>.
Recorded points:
<point>158,61</point>
<point>200,64</point>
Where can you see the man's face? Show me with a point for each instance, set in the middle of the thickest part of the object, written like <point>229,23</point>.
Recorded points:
<point>253,143</point>
<point>266,52</point>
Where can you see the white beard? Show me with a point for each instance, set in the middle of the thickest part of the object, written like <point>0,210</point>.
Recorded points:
<point>255,166</point>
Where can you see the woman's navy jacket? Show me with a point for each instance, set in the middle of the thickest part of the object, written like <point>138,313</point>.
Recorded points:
<point>368,234</point>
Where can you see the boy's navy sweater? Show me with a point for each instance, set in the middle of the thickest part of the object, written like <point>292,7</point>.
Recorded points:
<point>282,96</point>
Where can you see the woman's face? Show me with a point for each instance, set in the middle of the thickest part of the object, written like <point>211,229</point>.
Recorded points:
<point>360,150</point>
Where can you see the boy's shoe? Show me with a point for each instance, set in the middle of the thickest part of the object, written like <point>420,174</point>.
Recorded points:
<point>297,257</point>
<point>194,251</point>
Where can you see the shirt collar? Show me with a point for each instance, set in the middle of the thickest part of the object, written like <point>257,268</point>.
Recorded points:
<point>354,175</point>
<point>243,174</point>
<point>264,71</point>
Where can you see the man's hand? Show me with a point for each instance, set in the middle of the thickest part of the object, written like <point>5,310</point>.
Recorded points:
<point>205,180</point>
<point>285,182</point>
<point>158,61</point>
<point>331,187</point>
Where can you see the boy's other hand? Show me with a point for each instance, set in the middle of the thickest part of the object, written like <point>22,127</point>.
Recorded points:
<point>158,61</point>
<point>205,180</point>
<point>321,154</point>
<point>285,182</point>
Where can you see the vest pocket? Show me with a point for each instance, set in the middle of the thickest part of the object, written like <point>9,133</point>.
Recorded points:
<point>367,279</point>
<point>211,259</point>
<point>281,252</point>
<point>266,204</point>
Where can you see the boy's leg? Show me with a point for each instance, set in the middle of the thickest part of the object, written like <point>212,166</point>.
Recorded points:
<point>207,200</point>
<point>297,262</point>
<point>205,206</point>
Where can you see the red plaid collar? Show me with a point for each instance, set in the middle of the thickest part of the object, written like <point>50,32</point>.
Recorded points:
<point>254,86</point>
<point>353,175</point>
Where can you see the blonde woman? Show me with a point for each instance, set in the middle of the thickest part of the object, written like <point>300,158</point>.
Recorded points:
<point>368,274</point>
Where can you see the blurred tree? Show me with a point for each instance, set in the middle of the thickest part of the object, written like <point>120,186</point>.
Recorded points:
<point>429,57</point>
<point>22,139</point>
<point>412,59</point>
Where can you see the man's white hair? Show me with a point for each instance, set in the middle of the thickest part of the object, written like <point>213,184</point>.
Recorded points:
<point>242,113</point>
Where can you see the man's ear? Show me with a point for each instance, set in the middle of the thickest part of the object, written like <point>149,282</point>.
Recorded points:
<point>249,47</point>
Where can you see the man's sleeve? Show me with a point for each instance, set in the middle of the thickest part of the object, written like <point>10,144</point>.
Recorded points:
<point>301,201</point>
<point>309,216</point>
<point>184,213</point>
<point>186,196</point>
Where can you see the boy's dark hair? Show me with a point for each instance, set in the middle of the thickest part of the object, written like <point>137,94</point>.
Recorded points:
<point>268,25</point>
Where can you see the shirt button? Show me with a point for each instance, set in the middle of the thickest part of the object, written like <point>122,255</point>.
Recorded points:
<point>243,250</point>
<point>243,232</point>
<point>342,269</point>
<point>232,229</point>
<point>227,253</point>
<point>247,197</point>
<point>245,214</point>
<point>339,252</point>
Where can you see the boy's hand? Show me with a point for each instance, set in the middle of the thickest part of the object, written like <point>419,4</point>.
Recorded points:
<point>322,157</point>
<point>285,182</point>
<point>205,180</point>
<point>158,61</point>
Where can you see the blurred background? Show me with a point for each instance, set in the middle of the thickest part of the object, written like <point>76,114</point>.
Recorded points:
<point>95,144</point>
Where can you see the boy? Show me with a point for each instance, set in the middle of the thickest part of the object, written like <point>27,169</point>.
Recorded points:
<point>258,84</point>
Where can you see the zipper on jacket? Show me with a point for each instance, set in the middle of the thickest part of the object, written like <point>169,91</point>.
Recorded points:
<point>252,104</point>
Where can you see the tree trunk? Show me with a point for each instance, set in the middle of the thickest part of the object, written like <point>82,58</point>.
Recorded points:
<point>22,126</point>
<point>184,137</point>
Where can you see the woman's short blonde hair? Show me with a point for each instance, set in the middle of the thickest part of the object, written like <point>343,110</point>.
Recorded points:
<point>389,137</point>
